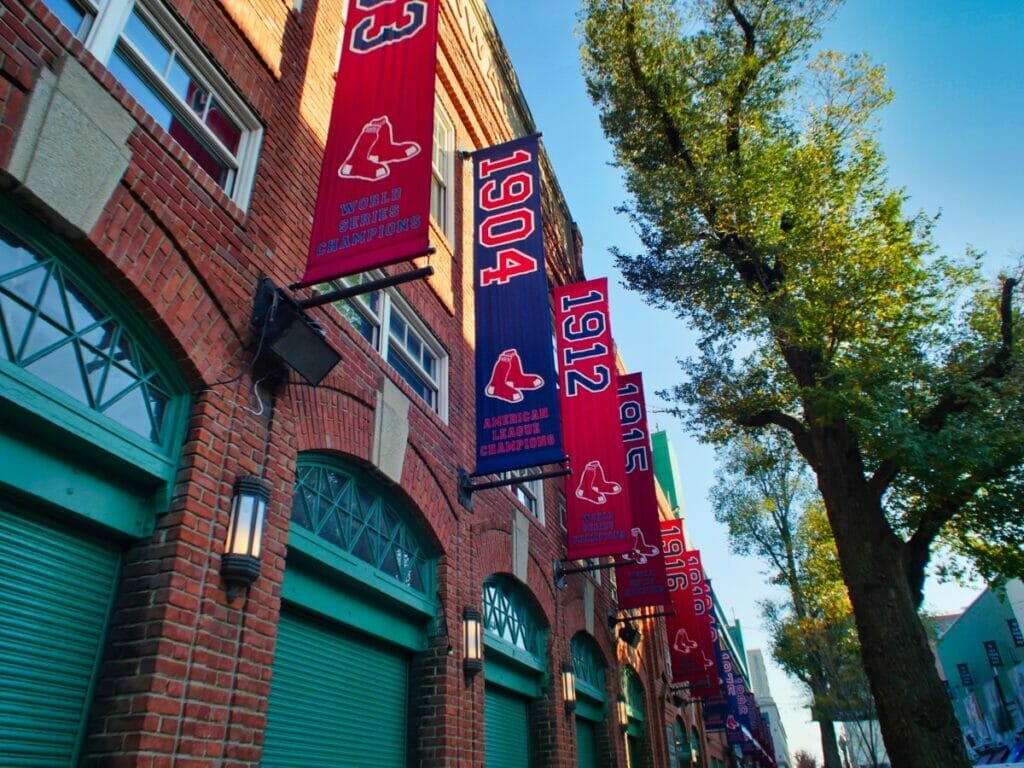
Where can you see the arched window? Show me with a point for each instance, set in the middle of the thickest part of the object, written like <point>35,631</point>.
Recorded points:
<point>588,665</point>
<point>510,622</point>
<point>633,690</point>
<point>55,329</point>
<point>85,376</point>
<point>343,506</point>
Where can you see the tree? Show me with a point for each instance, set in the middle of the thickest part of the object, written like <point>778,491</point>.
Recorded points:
<point>760,494</point>
<point>805,760</point>
<point>759,193</point>
<point>764,496</point>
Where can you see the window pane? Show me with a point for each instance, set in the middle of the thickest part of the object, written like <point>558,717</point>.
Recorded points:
<point>140,89</point>
<point>412,378</point>
<point>366,328</point>
<point>148,44</point>
<point>72,16</point>
<point>208,161</point>
<point>184,84</point>
<point>223,127</point>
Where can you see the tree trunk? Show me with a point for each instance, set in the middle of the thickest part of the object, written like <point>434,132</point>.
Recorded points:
<point>829,745</point>
<point>914,711</point>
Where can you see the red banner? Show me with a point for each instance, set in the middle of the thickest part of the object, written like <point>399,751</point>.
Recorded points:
<point>597,503</point>
<point>642,583</point>
<point>691,648</point>
<point>373,202</point>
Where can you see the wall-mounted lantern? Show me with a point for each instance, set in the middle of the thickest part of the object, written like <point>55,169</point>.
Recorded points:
<point>569,686</point>
<point>240,564</point>
<point>472,642</point>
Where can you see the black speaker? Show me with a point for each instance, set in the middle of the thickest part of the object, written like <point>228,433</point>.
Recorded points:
<point>288,333</point>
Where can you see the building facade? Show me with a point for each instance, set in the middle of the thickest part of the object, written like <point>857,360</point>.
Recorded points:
<point>981,655</point>
<point>769,709</point>
<point>157,159</point>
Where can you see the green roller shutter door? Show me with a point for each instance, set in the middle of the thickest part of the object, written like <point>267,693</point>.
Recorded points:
<point>56,588</point>
<point>506,729</point>
<point>586,743</point>
<point>337,698</point>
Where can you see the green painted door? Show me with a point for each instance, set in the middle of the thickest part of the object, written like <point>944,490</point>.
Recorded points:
<point>586,743</point>
<point>56,588</point>
<point>506,729</point>
<point>337,698</point>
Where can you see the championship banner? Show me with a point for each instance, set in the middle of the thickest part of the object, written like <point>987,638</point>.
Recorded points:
<point>691,647</point>
<point>597,503</point>
<point>373,201</point>
<point>517,423</point>
<point>643,582</point>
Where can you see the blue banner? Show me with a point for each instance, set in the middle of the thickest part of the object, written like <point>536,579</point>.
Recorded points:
<point>517,415</point>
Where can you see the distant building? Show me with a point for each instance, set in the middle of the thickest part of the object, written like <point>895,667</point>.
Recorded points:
<point>769,710</point>
<point>982,657</point>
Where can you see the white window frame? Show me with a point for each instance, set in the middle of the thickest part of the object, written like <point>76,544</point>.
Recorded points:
<point>110,18</point>
<point>530,493</point>
<point>392,303</point>
<point>443,171</point>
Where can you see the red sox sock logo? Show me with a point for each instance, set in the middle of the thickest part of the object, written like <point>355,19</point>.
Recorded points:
<point>508,380</point>
<point>593,486</point>
<point>641,549</point>
<point>683,643</point>
<point>374,150</point>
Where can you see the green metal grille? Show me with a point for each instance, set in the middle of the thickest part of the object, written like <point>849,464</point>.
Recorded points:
<point>52,328</point>
<point>343,508</point>
<point>587,663</point>
<point>508,616</point>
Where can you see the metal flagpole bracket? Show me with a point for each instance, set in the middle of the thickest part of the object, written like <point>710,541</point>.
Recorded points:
<point>467,487</point>
<point>613,619</point>
<point>368,287</point>
<point>561,571</point>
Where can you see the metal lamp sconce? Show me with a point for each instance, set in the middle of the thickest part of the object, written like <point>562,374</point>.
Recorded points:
<point>620,706</point>
<point>569,687</point>
<point>472,642</point>
<point>240,564</point>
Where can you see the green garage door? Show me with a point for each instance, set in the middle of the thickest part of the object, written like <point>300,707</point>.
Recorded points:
<point>586,743</point>
<point>337,699</point>
<point>55,595</point>
<point>506,729</point>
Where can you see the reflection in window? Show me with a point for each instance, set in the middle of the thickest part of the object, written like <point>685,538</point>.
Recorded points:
<point>344,509</point>
<point>508,617</point>
<point>50,327</point>
<point>168,74</point>
<point>408,346</point>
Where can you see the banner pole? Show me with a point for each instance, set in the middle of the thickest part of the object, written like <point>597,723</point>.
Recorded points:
<point>367,287</point>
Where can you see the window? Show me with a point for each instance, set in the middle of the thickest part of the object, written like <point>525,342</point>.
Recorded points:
<point>160,65</point>
<point>53,328</point>
<point>441,196</point>
<point>347,509</point>
<point>530,493</point>
<point>509,618</point>
<point>407,345</point>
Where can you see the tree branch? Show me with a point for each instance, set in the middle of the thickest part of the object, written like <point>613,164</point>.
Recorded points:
<point>801,438</point>
<point>655,103</point>
<point>732,138</point>
<point>953,403</point>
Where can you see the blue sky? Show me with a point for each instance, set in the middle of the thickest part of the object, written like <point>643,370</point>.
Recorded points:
<point>953,140</point>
